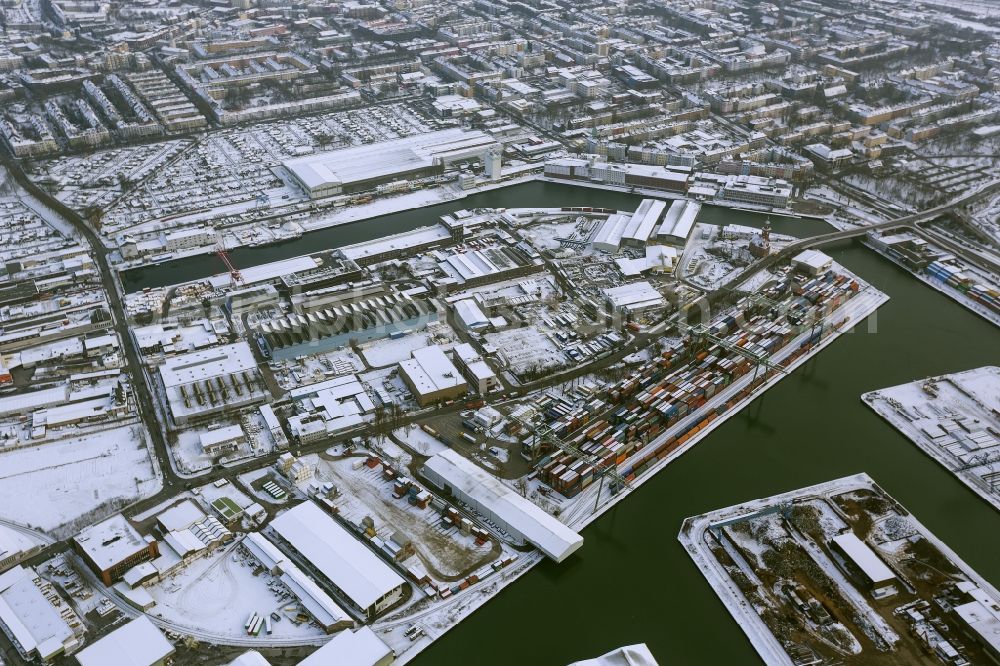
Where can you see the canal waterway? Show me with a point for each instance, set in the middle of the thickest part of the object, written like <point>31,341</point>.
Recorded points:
<point>632,581</point>
<point>534,194</point>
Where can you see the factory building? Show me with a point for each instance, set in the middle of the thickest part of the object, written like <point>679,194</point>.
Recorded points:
<point>36,619</point>
<point>431,377</point>
<point>640,226</point>
<point>210,381</point>
<point>323,609</point>
<point>634,298</point>
<point>222,440</point>
<point>365,167</point>
<point>863,559</point>
<point>355,572</point>
<point>15,547</point>
<point>352,648</point>
<point>488,496</point>
<point>979,617</point>
<point>812,262</point>
<point>112,547</point>
<point>477,371</point>
<point>678,222</point>
<point>138,643</point>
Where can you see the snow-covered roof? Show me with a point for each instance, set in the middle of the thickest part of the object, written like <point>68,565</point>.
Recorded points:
<point>29,616</point>
<point>138,643</point>
<point>630,655</point>
<point>381,160</point>
<point>812,258</point>
<point>431,370</point>
<point>317,602</point>
<point>535,525</point>
<point>110,541</point>
<point>609,234</point>
<point>645,217</point>
<point>337,554</point>
<point>635,295</point>
<point>679,220</point>
<point>181,516</point>
<point>982,614</point>
<point>207,363</point>
<point>350,648</point>
<point>864,557</point>
<point>250,658</point>
<point>13,542</point>
<point>470,314</point>
<point>219,435</point>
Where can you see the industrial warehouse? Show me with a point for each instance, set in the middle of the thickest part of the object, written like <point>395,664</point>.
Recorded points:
<point>353,570</point>
<point>352,169</point>
<point>323,325</point>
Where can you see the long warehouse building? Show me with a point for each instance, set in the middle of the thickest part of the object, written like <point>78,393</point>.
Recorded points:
<point>518,516</point>
<point>353,570</point>
<point>363,167</point>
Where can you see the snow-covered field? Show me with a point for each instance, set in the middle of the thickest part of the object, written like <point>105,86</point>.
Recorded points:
<point>214,595</point>
<point>55,484</point>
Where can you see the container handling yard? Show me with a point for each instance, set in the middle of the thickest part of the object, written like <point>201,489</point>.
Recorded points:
<point>323,323</point>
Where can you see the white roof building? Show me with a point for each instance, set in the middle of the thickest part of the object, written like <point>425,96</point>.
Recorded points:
<point>352,648</point>
<point>812,262</point>
<point>634,297</point>
<point>678,222</point>
<point>191,381</point>
<point>982,615</point>
<point>451,471</point>
<point>328,173</point>
<point>14,546</point>
<point>609,235</point>
<point>361,575</point>
<point>630,655</point>
<point>642,222</point>
<point>181,516</point>
<point>430,372</point>
<point>36,625</point>
<point>110,542</point>
<point>870,564</point>
<point>250,658</point>
<point>138,643</point>
<point>470,315</point>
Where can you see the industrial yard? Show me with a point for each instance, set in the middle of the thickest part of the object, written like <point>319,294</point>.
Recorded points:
<point>954,419</point>
<point>841,573</point>
<point>347,333</point>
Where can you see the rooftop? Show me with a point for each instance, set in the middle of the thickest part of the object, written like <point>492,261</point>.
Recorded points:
<point>547,533</point>
<point>337,554</point>
<point>138,643</point>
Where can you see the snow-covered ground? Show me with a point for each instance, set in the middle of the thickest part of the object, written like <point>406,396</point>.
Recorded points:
<point>420,441</point>
<point>214,595</point>
<point>966,403</point>
<point>696,539</point>
<point>84,478</point>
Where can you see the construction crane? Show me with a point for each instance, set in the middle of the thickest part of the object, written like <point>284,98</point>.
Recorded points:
<point>700,334</point>
<point>234,273</point>
<point>542,434</point>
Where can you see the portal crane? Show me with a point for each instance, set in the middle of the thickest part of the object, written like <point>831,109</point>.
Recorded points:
<point>234,273</point>
<point>542,434</point>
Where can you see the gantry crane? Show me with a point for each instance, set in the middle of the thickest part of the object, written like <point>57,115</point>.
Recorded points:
<point>542,434</point>
<point>700,334</point>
